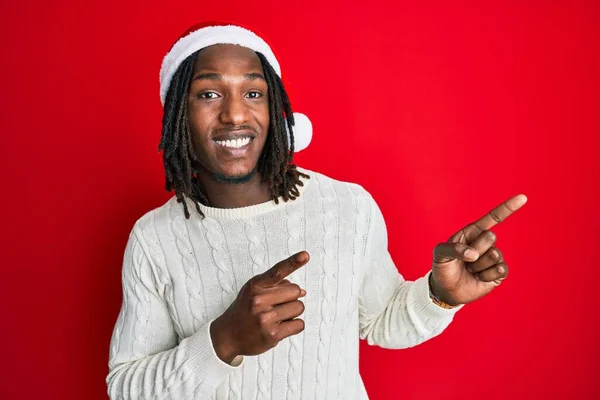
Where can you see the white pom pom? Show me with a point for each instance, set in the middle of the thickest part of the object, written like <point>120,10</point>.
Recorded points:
<point>302,132</point>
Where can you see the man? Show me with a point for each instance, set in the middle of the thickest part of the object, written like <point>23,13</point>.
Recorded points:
<point>257,279</point>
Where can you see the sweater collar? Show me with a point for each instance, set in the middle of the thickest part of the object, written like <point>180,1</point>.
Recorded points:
<point>257,209</point>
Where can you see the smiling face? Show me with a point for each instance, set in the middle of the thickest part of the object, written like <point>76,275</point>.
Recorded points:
<point>228,111</point>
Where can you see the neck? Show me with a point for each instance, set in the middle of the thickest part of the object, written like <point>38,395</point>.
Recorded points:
<point>233,195</point>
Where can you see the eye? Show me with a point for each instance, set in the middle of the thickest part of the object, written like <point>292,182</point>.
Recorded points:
<point>254,95</point>
<point>208,95</point>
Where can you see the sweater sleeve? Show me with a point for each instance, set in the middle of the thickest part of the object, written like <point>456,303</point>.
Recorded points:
<point>147,361</point>
<point>393,312</point>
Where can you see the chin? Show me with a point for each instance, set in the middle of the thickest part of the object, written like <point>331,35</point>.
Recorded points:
<point>237,177</point>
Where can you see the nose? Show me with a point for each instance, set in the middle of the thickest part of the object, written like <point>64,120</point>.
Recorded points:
<point>234,111</point>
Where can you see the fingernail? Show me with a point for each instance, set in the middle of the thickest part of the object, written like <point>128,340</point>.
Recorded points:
<point>301,257</point>
<point>471,254</point>
<point>501,270</point>
<point>302,292</point>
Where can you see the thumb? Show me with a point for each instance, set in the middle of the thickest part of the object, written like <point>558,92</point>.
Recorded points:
<point>445,252</point>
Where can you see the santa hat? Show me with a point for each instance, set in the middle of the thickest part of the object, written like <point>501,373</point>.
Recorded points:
<point>208,34</point>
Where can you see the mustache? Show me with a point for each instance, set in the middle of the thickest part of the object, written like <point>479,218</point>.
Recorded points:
<point>235,129</point>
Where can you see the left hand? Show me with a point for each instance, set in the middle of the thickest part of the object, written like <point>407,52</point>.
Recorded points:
<point>458,279</point>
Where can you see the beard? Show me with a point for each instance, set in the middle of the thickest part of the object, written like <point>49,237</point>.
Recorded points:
<point>235,179</point>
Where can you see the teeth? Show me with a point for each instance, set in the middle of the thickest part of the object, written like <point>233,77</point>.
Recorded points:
<point>235,144</point>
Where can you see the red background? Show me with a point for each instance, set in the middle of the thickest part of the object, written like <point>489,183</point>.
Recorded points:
<point>441,111</point>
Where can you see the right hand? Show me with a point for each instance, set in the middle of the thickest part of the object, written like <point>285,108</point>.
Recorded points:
<point>263,313</point>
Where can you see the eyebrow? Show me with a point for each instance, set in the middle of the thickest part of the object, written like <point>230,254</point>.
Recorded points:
<point>211,76</point>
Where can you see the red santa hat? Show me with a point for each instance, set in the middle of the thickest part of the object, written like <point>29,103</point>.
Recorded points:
<point>208,34</point>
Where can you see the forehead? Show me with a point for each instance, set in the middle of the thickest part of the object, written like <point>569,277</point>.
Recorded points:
<point>227,57</point>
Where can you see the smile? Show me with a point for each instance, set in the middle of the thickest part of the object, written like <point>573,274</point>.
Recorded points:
<point>234,143</point>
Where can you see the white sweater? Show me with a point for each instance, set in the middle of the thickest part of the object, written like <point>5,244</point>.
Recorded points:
<point>179,275</point>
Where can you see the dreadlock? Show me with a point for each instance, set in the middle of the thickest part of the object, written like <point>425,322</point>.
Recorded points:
<point>275,163</point>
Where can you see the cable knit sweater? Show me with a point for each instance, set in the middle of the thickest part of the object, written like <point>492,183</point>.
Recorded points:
<point>179,275</point>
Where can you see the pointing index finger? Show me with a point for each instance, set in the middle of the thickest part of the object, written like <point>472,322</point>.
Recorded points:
<point>283,269</point>
<point>501,212</point>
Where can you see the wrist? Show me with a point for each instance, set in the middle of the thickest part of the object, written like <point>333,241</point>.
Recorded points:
<point>439,296</point>
<point>222,343</point>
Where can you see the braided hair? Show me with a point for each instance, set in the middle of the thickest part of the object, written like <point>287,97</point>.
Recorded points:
<point>275,163</point>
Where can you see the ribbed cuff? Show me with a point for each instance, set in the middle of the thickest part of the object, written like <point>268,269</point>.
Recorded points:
<point>202,357</point>
<point>424,306</point>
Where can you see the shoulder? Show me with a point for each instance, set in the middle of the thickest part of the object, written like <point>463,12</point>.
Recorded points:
<point>154,223</point>
<point>341,187</point>
<point>155,231</point>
